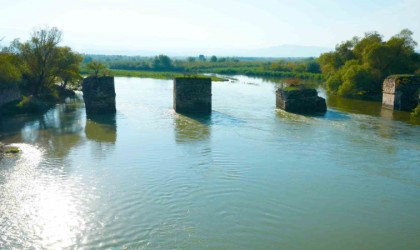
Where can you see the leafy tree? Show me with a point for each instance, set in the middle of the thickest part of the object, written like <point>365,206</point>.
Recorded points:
<point>358,81</point>
<point>162,62</point>
<point>313,67</point>
<point>39,55</point>
<point>96,67</point>
<point>68,66</point>
<point>358,67</point>
<point>202,58</point>
<point>213,59</point>
<point>363,46</point>
<point>9,71</point>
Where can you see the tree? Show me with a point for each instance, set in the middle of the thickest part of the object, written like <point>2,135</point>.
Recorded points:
<point>202,58</point>
<point>39,56</point>
<point>363,46</point>
<point>358,67</point>
<point>68,66</point>
<point>213,59</point>
<point>358,81</point>
<point>313,67</point>
<point>96,67</point>
<point>162,62</point>
<point>9,71</point>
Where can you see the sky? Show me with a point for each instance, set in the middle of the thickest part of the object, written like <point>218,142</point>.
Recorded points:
<point>165,25</point>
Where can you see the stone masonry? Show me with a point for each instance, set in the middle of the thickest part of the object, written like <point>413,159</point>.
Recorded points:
<point>99,94</point>
<point>302,101</point>
<point>401,92</point>
<point>192,95</point>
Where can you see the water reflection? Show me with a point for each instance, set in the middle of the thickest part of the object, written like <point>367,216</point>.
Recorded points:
<point>396,115</point>
<point>192,127</point>
<point>101,128</point>
<point>64,123</point>
<point>354,106</point>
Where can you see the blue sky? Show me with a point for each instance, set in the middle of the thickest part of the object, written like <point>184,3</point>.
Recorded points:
<point>182,24</point>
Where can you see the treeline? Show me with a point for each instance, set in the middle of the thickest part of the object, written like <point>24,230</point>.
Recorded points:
<point>357,67</point>
<point>301,68</point>
<point>37,65</point>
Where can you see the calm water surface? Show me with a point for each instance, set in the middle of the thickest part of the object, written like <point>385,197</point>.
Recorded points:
<point>246,177</point>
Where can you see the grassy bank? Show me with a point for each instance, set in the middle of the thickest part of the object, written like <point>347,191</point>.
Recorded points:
<point>157,75</point>
<point>164,67</point>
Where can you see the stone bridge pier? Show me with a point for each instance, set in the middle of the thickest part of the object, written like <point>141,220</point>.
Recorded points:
<point>401,92</point>
<point>99,95</point>
<point>192,95</point>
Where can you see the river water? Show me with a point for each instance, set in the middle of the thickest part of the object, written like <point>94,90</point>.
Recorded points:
<point>246,177</point>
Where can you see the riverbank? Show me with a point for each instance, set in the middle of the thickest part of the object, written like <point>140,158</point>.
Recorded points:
<point>35,105</point>
<point>159,75</point>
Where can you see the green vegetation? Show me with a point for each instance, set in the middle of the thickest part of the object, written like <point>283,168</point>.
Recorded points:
<point>10,74</point>
<point>291,88</point>
<point>416,113</point>
<point>357,68</point>
<point>159,75</point>
<point>44,63</point>
<point>307,68</point>
<point>7,150</point>
<point>96,67</point>
<point>41,69</point>
<point>12,150</point>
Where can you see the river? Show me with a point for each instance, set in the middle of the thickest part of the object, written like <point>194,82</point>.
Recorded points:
<point>247,176</point>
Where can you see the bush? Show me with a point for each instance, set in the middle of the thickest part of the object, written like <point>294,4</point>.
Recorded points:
<point>416,112</point>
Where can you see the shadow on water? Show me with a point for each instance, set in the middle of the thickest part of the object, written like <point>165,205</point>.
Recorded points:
<point>58,130</point>
<point>354,106</point>
<point>219,118</point>
<point>368,108</point>
<point>197,127</point>
<point>335,115</point>
<point>102,131</point>
<point>298,117</point>
<point>101,128</point>
<point>192,127</point>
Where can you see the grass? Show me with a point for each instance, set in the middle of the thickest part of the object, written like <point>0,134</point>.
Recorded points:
<point>159,75</point>
<point>12,150</point>
<point>291,88</point>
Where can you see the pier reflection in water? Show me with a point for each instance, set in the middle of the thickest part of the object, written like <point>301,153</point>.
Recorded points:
<point>192,127</point>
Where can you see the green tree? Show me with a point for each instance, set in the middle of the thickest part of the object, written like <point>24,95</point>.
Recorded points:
<point>162,62</point>
<point>358,81</point>
<point>10,73</point>
<point>313,67</point>
<point>202,58</point>
<point>68,66</point>
<point>96,67</point>
<point>39,55</point>
<point>363,46</point>
<point>213,59</point>
<point>358,67</point>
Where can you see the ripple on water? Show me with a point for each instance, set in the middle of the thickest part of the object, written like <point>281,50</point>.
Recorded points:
<point>40,208</point>
<point>245,177</point>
